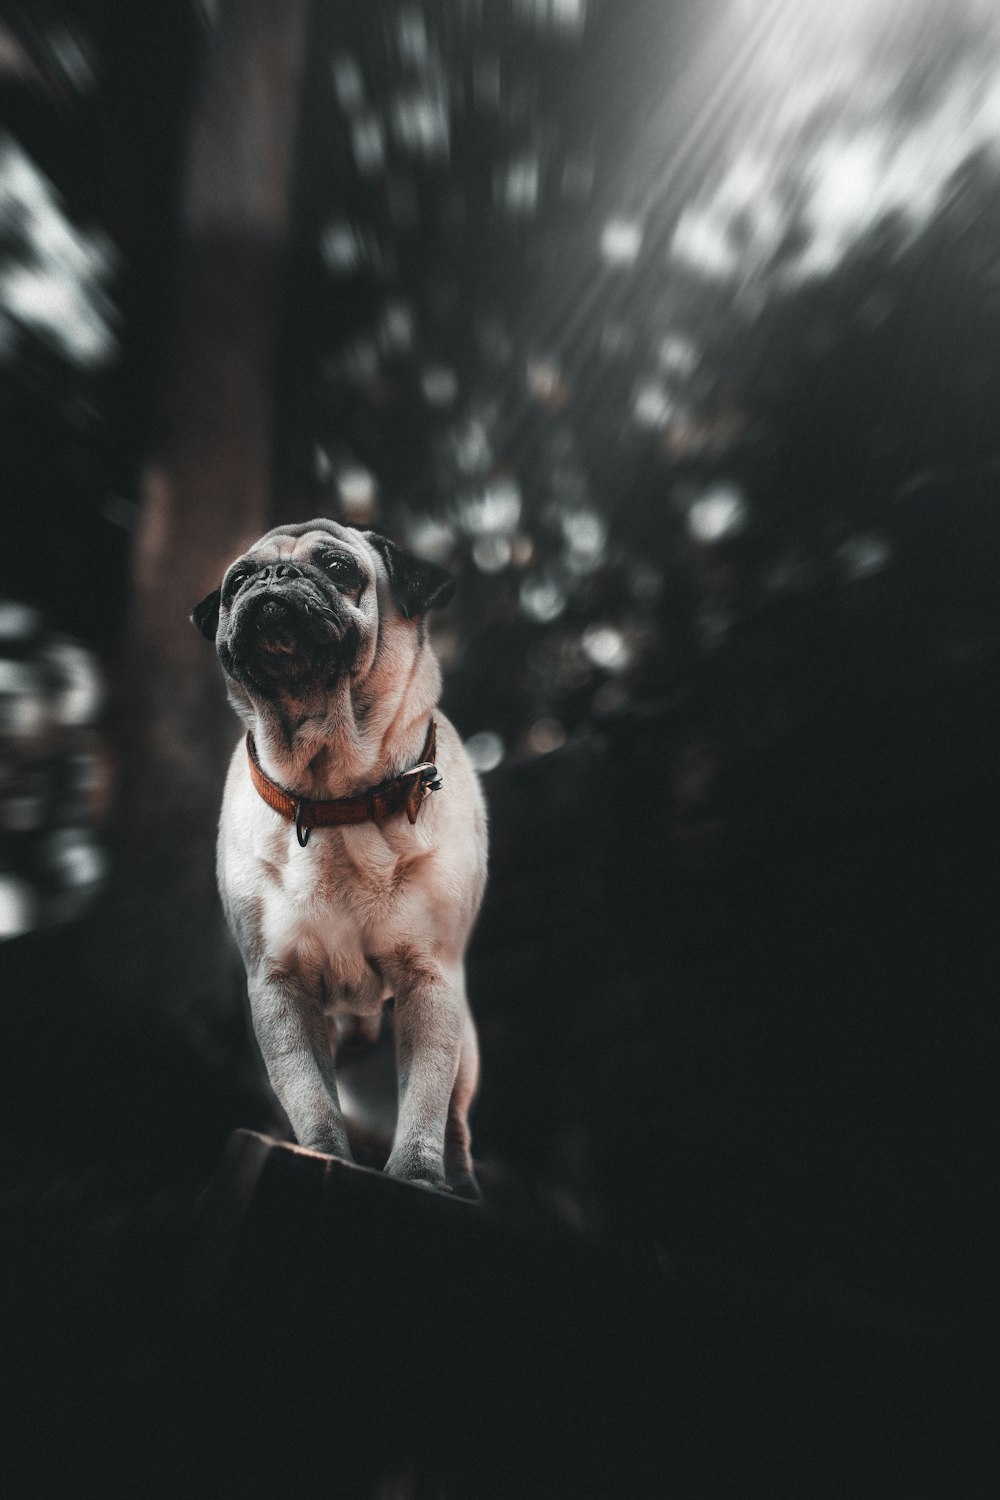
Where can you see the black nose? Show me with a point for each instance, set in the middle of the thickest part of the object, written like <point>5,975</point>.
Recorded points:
<point>278,570</point>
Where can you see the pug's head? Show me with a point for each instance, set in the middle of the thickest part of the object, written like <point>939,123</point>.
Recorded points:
<point>314,612</point>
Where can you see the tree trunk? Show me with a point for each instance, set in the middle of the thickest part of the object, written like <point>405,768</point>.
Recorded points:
<point>205,497</point>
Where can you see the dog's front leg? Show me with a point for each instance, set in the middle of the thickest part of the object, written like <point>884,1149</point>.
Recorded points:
<point>430,1008</point>
<point>292,1036</point>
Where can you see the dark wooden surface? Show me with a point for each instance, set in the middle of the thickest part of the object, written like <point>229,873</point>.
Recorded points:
<point>416,1334</point>
<point>361,1333</point>
<point>301,1327</point>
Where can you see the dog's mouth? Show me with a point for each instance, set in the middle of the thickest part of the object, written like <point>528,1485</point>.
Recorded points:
<point>287,634</point>
<point>275,627</point>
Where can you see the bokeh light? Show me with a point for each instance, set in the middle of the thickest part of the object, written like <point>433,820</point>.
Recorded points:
<point>494,509</point>
<point>358,494</point>
<point>621,241</point>
<point>485,750</point>
<point>719,513</point>
<point>544,736</point>
<point>542,599</point>
<point>56,287</point>
<point>606,647</point>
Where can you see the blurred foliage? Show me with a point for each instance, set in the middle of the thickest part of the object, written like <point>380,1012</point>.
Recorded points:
<point>53,774</point>
<point>740,498</point>
<point>91,140</point>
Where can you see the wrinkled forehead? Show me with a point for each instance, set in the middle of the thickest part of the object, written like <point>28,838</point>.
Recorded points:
<point>302,543</point>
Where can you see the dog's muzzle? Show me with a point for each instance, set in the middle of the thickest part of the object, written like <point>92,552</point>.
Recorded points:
<point>284,627</point>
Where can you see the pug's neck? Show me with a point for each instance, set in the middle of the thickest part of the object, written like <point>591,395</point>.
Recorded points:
<point>349,745</point>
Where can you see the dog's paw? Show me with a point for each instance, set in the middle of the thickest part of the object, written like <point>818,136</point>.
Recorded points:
<point>328,1144</point>
<point>419,1174</point>
<point>435,1184</point>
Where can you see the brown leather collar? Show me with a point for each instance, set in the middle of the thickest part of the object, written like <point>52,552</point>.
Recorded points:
<point>407,790</point>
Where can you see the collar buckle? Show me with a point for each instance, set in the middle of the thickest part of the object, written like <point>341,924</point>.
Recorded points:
<point>424,779</point>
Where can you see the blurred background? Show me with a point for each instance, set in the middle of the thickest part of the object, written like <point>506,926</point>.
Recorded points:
<point>672,330</point>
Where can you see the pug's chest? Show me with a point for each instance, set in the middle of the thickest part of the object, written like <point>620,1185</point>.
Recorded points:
<point>332,916</point>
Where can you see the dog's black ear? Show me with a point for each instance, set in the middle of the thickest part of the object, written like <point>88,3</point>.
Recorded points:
<point>417,585</point>
<point>205,616</point>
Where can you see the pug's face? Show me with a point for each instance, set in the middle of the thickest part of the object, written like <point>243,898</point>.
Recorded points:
<point>305,612</point>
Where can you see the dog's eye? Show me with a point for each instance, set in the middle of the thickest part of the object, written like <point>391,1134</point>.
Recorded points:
<point>345,574</point>
<point>235,581</point>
